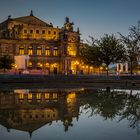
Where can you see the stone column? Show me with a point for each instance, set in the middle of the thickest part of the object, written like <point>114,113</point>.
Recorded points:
<point>126,67</point>
<point>117,66</point>
<point>121,67</point>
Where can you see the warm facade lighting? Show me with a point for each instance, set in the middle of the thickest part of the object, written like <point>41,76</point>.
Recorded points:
<point>76,62</point>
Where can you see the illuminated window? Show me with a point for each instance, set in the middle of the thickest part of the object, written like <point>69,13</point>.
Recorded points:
<point>30,50</point>
<point>21,96</point>
<point>54,95</point>
<point>39,65</point>
<point>30,97</point>
<point>43,31</point>
<point>21,50</point>
<point>47,51</point>
<point>30,64</point>
<point>38,96</point>
<point>71,97</point>
<point>39,50</point>
<point>55,52</point>
<point>47,95</point>
<point>47,65</point>
<point>71,50</point>
<point>37,31</point>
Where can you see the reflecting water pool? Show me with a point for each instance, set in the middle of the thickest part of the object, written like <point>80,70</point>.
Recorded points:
<point>68,114</point>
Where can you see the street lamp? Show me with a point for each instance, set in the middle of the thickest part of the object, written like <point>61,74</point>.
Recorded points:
<point>101,69</point>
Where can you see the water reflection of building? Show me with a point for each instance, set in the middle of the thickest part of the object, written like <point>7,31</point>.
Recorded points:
<point>30,111</point>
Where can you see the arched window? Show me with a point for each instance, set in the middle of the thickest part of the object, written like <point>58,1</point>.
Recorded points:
<point>54,95</point>
<point>47,51</point>
<point>39,65</point>
<point>38,96</point>
<point>30,96</point>
<point>21,96</point>
<point>55,51</point>
<point>30,65</point>
<point>21,50</point>
<point>30,50</point>
<point>47,95</point>
<point>39,51</point>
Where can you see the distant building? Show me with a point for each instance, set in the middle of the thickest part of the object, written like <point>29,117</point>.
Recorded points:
<point>48,47</point>
<point>122,67</point>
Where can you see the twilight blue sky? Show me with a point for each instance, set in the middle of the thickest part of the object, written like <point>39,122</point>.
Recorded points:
<point>93,17</point>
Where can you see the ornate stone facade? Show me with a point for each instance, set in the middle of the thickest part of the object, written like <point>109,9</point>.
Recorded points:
<point>49,48</point>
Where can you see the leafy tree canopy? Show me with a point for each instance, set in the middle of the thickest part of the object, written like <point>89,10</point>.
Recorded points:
<point>107,50</point>
<point>111,49</point>
<point>90,55</point>
<point>132,43</point>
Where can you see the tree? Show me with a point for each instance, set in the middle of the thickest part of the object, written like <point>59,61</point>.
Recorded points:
<point>89,54</point>
<point>107,50</point>
<point>5,62</point>
<point>132,42</point>
<point>111,50</point>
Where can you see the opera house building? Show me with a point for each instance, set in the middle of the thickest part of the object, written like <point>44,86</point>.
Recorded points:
<point>48,48</point>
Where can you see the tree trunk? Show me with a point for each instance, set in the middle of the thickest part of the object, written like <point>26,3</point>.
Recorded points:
<point>107,70</point>
<point>94,69</point>
<point>88,70</point>
<point>131,67</point>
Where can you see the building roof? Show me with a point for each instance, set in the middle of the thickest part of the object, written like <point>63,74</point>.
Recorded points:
<point>31,20</point>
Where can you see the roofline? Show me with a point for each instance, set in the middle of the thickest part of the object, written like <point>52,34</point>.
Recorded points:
<point>34,17</point>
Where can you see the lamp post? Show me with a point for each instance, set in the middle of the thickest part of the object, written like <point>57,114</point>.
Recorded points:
<point>101,69</point>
